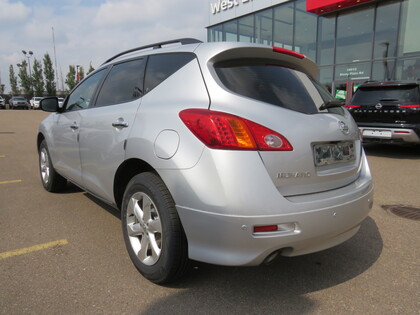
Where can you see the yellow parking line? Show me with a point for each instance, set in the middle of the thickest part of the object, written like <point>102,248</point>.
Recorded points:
<point>2,156</point>
<point>35,248</point>
<point>11,181</point>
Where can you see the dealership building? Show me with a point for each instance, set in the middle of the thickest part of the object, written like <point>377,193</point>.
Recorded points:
<point>352,41</point>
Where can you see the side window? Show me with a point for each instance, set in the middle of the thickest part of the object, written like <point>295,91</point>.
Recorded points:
<point>160,67</point>
<point>123,84</point>
<point>82,96</point>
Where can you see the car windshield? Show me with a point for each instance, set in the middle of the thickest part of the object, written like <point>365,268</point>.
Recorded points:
<point>269,83</point>
<point>400,94</point>
<point>19,98</point>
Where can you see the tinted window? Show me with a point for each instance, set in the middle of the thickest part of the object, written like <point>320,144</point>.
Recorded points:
<point>123,84</point>
<point>404,95</point>
<point>160,67</point>
<point>272,84</point>
<point>82,95</point>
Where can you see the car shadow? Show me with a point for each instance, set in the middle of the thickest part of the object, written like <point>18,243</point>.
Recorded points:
<point>393,151</point>
<point>277,288</point>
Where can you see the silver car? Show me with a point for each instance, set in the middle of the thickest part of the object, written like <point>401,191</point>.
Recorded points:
<point>225,153</point>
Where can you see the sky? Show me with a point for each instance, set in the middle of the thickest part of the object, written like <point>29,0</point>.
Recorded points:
<point>91,31</point>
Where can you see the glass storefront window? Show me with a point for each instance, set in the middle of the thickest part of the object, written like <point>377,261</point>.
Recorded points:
<point>230,31</point>
<point>410,28</point>
<point>305,31</point>
<point>353,71</point>
<point>264,27</point>
<point>383,70</point>
<point>355,35</point>
<point>283,25</point>
<point>408,69</point>
<point>246,29</point>
<point>386,30</point>
<point>326,40</point>
<point>215,33</point>
<point>326,77</point>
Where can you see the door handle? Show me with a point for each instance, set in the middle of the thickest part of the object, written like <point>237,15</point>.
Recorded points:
<point>120,124</point>
<point>74,126</point>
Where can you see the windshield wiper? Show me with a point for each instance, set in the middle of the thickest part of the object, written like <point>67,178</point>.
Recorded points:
<point>331,104</point>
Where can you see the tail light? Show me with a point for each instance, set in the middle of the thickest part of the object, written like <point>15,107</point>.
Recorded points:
<point>410,106</point>
<point>219,130</point>
<point>352,106</point>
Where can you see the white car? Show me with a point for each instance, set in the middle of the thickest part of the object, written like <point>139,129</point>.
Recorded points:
<point>35,102</point>
<point>225,153</point>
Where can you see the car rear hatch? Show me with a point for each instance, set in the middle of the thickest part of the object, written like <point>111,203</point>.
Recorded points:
<point>386,104</point>
<point>274,90</point>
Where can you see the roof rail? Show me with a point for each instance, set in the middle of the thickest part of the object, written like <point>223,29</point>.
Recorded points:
<point>182,41</point>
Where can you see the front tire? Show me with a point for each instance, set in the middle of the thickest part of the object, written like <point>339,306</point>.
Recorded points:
<point>51,180</point>
<point>152,230</point>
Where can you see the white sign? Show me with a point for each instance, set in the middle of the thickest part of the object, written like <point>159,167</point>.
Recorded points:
<point>224,5</point>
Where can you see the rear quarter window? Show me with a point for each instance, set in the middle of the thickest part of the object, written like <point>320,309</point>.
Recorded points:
<point>268,83</point>
<point>160,67</point>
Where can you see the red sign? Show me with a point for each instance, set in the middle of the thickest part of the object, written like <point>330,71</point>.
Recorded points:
<point>325,6</point>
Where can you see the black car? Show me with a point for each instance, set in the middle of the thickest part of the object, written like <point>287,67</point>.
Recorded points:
<point>387,111</point>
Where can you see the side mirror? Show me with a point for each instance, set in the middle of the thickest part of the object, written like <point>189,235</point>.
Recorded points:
<point>49,104</point>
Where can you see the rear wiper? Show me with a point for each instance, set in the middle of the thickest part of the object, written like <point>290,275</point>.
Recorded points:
<point>331,104</point>
<point>389,100</point>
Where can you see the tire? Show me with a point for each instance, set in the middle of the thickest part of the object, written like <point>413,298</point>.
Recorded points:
<point>152,230</point>
<point>51,180</point>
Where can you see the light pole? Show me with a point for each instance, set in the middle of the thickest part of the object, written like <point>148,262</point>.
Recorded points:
<point>29,55</point>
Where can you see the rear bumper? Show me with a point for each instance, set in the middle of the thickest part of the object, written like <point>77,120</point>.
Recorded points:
<point>306,224</point>
<point>387,134</point>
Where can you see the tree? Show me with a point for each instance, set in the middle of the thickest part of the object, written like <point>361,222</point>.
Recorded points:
<point>37,79</point>
<point>81,74</point>
<point>71,78</point>
<point>13,81</point>
<point>49,76</point>
<point>25,79</point>
<point>91,69</point>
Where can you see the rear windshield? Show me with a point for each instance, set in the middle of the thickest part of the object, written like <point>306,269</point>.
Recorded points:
<point>271,84</point>
<point>400,94</point>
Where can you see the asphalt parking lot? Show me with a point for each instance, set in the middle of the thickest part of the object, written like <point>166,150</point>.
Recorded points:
<point>64,253</point>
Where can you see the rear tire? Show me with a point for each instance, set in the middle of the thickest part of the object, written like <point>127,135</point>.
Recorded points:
<point>152,230</point>
<point>51,180</point>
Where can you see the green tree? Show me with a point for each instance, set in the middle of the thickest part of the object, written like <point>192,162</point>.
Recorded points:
<point>25,79</point>
<point>13,81</point>
<point>91,69</point>
<point>81,73</point>
<point>37,79</point>
<point>71,78</point>
<point>49,76</point>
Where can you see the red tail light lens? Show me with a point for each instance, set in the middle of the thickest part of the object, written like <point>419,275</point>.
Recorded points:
<point>288,52</point>
<point>219,130</point>
<point>410,106</point>
<point>352,106</point>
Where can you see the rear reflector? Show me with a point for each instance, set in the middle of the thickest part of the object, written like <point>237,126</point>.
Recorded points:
<point>265,228</point>
<point>288,52</point>
<point>219,130</point>
<point>398,131</point>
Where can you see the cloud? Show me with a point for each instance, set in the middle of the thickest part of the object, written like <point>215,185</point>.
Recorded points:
<point>13,12</point>
<point>93,31</point>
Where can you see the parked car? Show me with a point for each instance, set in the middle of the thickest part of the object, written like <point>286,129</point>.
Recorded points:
<point>2,102</point>
<point>225,153</point>
<point>35,102</point>
<point>18,102</point>
<point>387,111</point>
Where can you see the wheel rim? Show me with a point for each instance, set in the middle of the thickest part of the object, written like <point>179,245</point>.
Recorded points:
<point>144,228</point>
<point>44,166</point>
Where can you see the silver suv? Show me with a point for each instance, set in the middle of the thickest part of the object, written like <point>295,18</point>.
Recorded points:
<point>225,153</point>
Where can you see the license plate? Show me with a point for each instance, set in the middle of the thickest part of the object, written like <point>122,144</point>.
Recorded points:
<point>333,152</point>
<point>377,134</point>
